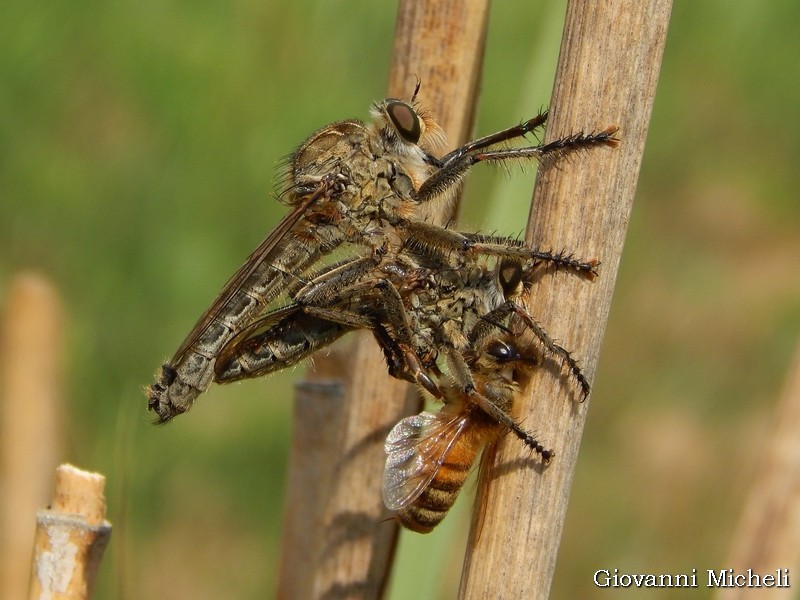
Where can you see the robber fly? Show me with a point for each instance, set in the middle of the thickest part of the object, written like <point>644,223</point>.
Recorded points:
<point>415,309</point>
<point>370,186</point>
<point>429,455</point>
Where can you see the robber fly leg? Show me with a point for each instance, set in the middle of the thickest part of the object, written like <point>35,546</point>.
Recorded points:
<point>517,249</point>
<point>553,348</point>
<point>506,135</point>
<point>374,304</point>
<point>449,244</point>
<point>393,332</point>
<point>456,167</point>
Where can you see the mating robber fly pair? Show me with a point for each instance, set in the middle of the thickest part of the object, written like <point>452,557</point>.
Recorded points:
<point>444,306</point>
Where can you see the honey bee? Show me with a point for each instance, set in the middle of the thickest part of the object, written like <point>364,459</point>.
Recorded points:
<point>370,187</point>
<point>429,455</point>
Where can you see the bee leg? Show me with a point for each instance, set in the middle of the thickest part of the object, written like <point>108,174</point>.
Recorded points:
<point>491,409</point>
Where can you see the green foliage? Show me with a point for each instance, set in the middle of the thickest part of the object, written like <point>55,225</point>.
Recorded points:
<point>138,143</point>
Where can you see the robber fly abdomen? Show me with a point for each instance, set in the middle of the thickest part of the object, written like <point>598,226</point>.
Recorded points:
<point>293,337</point>
<point>251,289</point>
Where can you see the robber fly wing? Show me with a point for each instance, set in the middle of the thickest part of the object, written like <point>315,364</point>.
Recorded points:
<point>416,448</point>
<point>263,253</point>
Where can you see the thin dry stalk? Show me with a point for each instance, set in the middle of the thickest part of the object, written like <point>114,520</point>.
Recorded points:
<point>767,537</point>
<point>349,551</point>
<point>71,537</point>
<point>30,424</point>
<point>318,427</point>
<point>607,73</point>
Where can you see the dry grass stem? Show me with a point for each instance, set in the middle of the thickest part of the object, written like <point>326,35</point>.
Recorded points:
<point>31,424</point>
<point>349,554</point>
<point>607,73</point>
<point>71,537</point>
<point>767,537</point>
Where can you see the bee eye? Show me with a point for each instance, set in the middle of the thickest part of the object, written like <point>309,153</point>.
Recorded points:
<point>502,352</point>
<point>405,120</point>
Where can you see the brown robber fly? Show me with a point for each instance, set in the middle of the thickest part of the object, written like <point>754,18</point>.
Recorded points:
<point>367,186</point>
<point>416,311</point>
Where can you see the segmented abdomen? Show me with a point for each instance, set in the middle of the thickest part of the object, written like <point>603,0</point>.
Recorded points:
<point>435,501</point>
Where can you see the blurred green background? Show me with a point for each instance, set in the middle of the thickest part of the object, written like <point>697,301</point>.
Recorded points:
<point>138,142</point>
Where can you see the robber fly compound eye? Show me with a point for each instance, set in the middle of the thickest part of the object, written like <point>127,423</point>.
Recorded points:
<point>405,119</point>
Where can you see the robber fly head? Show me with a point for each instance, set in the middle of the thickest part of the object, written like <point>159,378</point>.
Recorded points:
<point>406,127</point>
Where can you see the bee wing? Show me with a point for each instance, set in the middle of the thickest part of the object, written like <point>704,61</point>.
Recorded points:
<point>416,449</point>
<point>261,254</point>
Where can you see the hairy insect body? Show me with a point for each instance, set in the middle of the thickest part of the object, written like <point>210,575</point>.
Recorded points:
<point>191,371</point>
<point>420,311</point>
<point>448,304</point>
<point>369,187</point>
<point>446,307</point>
<point>348,183</point>
<point>292,337</point>
<point>428,509</point>
<point>424,307</point>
